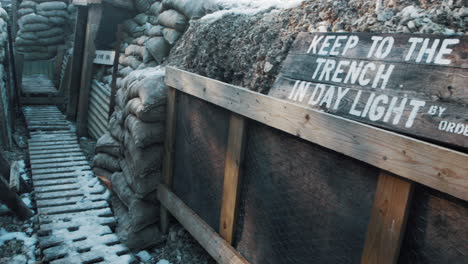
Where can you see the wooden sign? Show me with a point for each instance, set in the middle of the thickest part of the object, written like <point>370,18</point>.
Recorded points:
<point>412,84</point>
<point>105,57</point>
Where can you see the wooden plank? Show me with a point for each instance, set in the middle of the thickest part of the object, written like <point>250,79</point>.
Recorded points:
<point>232,176</point>
<point>13,201</point>
<point>169,147</point>
<point>94,20</point>
<point>216,246</point>
<point>388,220</point>
<point>58,64</point>
<point>437,167</point>
<point>115,70</point>
<point>15,176</point>
<point>73,85</point>
<point>423,96</point>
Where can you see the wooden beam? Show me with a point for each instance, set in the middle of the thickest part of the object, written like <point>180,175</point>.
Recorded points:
<point>388,220</point>
<point>94,20</point>
<point>115,69</point>
<point>168,162</point>
<point>19,59</point>
<point>74,81</point>
<point>232,176</point>
<point>434,166</point>
<point>215,245</point>
<point>6,138</point>
<point>13,201</point>
<point>58,65</point>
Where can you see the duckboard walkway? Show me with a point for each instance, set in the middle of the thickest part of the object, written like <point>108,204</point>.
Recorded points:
<point>74,216</point>
<point>39,89</point>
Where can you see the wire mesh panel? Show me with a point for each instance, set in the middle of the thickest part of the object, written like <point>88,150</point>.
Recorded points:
<point>437,231</point>
<point>301,203</point>
<point>201,140</point>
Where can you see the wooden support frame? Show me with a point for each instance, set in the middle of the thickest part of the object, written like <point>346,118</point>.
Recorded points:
<point>388,220</point>
<point>92,27</point>
<point>232,176</point>
<point>115,70</point>
<point>73,85</point>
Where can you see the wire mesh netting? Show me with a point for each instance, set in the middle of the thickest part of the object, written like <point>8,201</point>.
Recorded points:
<point>201,141</point>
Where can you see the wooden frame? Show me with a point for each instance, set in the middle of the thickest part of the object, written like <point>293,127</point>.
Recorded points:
<point>402,160</point>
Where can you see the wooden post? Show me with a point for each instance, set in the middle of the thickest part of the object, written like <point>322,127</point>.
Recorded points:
<point>13,201</point>
<point>73,85</point>
<point>216,246</point>
<point>232,176</point>
<point>92,27</point>
<point>15,102</point>
<point>19,58</point>
<point>168,163</point>
<point>388,220</point>
<point>115,70</point>
<point>58,65</point>
<point>5,128</point>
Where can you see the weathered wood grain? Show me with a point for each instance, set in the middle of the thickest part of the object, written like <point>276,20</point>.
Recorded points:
<point>437,167</point>
<point>216,246</point>
<point>232,176</point>
<point>388,220</point>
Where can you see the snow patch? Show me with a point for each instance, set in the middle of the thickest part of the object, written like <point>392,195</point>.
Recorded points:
<point>29,242</point>
<point>163,261</point>
<point>144,256</point>
<point>248,7</point>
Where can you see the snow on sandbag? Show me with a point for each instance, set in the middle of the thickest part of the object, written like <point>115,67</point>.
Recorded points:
<point>130,61</point>
<point>34,27</point>
<point>55,31</point>
<point>151,90</point>
<point>158,47</point>
<point>107,144</point>
<point>192,9</point>
<point>148,114</point>
<point>144,134</point>
<point>141,186</point>
<point>142,5</point>
<point>28,4</point>
<point>141,40</point>
<point>135,50</point>
<point>25,11</point>
<point>122,189</point>
<point>173,19</point>
<point>51,6</point>
<point>50,13</point>
<point>57,20</point>
<point>141,19</point>
<point>155,31</point>
<point>125,71</point>
<point>142,214</point>
<point>105,161</point>
<point>171,35</point>
<point>32,19</point>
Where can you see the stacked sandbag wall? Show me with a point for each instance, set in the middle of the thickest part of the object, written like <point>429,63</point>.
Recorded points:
<point>43,26</point>
<point>130,155</point>
<point>4,103</point>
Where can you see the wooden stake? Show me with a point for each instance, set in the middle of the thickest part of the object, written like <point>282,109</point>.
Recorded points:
<point>94,19</point>
<point>168,163</point>
<point>215,245</point>
<point>388,220</point>
<point>232,176</point>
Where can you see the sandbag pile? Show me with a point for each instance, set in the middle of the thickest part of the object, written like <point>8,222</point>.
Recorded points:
<point>3,36</point>
<point>130,155</point>
<point>43,27</point>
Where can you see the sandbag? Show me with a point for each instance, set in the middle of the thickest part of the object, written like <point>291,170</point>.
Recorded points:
<point>145,238</point>
<point>34,27</point>
<point>141,186</point>
<point>146,114</point>
<point>142,162</point>
<point>51,40</point>
<point>102,172</point>
<point>153,20</point>
<point>158,47</point>
<point>130,25</point>
<point>59,13</point>
<point>171,35</point>
<point>115,126</point>
<point>173,19</point>
<point>156,8</point>
<point>108,145</point>
<point>55,31</point>
<point>144,134</point>
<point>25,11</point>
<point>141,40</point>
<point>28,35</point>
<point>142,5</point>
<point>25,42</point>
<point>130,61</point>
<point>32,19</point>
<point>51,6</point>
<point>151,90</point>
<point>127,4</point>
<point>105,161</point>
<point>125,71</point>
<point>142,214</point>
<point>122,189</point>
<point>155,31</point>
<point>28,4</point>
<point>135,50</point>
<point>57,20</point>
<point>192,9</point>
<point>141,19</point>
<point>120,99</point>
